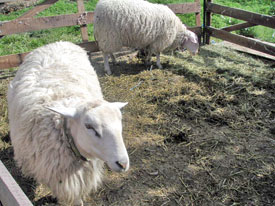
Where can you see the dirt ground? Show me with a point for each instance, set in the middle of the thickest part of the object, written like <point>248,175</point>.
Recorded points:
<point>200,132</point>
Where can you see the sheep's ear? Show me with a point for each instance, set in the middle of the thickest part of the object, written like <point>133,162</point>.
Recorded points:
<point>120,105</point>
<point>64,111</point>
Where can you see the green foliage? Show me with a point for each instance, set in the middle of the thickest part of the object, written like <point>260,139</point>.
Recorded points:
<point>248,32</point>
<point>272,9</point>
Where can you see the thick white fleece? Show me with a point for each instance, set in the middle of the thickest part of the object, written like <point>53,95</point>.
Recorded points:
<point>56,74</point>
<point>138,24</point>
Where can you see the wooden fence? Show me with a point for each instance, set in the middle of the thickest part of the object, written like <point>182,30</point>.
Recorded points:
<point>252,19</point>
<point>27,23</point>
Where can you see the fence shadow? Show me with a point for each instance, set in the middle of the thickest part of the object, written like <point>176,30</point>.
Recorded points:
<point>127,63</point>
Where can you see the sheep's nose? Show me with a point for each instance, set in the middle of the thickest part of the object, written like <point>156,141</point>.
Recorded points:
<point>122,165</point>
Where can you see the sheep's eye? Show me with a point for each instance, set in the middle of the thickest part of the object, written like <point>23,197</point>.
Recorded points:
<point>89,126</point>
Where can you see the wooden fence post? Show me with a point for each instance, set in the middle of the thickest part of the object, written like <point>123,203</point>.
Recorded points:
<point>198,20</point>
<point>206,23</point>
<point>82,21</point>
<point>198,16</point>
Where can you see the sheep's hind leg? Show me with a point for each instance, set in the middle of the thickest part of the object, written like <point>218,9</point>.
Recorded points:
<point>158,61</point>
<point>148,58</point>
<point>106,64</point>
<point>113,57</point>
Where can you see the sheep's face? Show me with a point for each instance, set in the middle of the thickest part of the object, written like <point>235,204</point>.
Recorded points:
<point>100,135</point>
<point>191,42</point>
<point>97,133</point>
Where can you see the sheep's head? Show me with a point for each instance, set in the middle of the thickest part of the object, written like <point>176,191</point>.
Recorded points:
<point>97,132</point>
<point>190,42</point>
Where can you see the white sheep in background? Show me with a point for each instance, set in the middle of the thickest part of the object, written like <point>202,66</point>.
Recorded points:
<point>141,25</point>
<point>62,130</point>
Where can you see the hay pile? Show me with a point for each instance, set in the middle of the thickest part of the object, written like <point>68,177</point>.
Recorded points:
<point>199,132</point>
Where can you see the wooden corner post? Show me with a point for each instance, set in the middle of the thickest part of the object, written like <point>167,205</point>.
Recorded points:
<point>198,19</point>
<point>206,22</point>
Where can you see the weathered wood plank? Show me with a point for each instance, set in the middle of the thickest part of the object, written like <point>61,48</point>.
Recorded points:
<point>83,27</point>
<point>260,19</point>
<point>238,26</point>
<point>33,24</point>
<point>207,22</point>
<point>247,50</point>
<point>14,60</point>
<point>241,40</point>
<point>185,8</point>
<point>10,192</point>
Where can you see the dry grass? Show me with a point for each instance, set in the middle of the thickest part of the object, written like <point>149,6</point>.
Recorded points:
<point>199,132</point>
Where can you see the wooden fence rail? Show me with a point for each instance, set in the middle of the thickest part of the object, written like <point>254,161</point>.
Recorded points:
<point>241,40</point>
<point>34,24</point>
<point>39,8</point>
<point>10,192</point>
<point>252,19</point>
<point>238,26</point>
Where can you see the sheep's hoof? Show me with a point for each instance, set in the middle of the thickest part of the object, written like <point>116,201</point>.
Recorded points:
<point>160,66</point>
<point>109,73</point>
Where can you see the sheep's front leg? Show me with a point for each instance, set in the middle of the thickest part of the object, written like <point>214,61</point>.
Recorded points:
<point>148,58</point>
<point>158,61</point>
<point>106,64</point>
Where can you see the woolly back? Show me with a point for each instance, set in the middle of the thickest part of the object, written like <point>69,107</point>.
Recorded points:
<point>133,23</point>
<point>55,72</point>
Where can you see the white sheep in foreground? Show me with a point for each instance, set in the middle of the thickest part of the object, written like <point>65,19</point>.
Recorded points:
<point>141,25</point>
<point>62,130</point>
